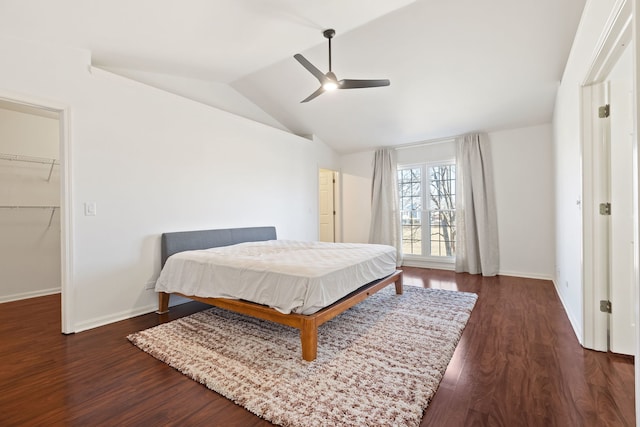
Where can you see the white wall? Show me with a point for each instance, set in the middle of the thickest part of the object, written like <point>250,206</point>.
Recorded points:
<point>431,152</point>
<point>567,157</point>
<point>524,180</point>
<point>522,160</point>
<point>215,94</point>
<point>29,243</point>
<point>356,172</point>
<point>155,162</point>
<point>28,134</point>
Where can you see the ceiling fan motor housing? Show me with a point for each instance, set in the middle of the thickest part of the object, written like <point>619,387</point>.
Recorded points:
<point>329,33</point>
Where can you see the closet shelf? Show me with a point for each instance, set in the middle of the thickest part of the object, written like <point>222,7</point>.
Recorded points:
<point>28,207</point>
<point>53,209</point>
<point>31,159</point>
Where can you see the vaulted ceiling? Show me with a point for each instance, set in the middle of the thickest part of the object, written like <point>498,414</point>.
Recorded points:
<point>455,66</point>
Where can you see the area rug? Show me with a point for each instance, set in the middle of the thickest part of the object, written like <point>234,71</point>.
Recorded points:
<point>379,363</point>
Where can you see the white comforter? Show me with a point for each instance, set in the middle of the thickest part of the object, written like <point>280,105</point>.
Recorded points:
<point>290,276</point>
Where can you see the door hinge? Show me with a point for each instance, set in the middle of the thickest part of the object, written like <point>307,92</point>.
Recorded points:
<point>605,208</point>
<point>604,111</point>
<point>605,306</point>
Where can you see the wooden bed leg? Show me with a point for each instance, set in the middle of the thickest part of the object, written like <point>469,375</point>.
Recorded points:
<point>309,339</point>
<point>163,303</point>
<point>399,284</point>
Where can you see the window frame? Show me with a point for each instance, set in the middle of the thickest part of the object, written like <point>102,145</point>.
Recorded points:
<point>425,212</point>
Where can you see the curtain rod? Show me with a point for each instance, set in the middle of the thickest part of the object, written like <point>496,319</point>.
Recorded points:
<point>432,141</point>
<point>423,143</point>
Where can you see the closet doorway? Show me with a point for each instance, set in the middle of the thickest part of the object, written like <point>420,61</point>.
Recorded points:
<point>32,255</point>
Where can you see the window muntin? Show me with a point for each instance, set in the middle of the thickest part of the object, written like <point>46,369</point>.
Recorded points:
<point>427,206</point>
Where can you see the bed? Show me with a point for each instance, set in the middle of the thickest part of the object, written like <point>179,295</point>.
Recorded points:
<point>343,276</point>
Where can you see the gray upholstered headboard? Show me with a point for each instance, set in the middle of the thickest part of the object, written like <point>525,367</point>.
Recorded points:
<point>181,241</point>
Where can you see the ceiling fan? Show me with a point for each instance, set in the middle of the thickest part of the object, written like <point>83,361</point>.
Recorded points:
<point>329,81</point>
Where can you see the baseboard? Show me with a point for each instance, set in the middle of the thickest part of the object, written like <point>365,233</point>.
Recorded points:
<point>577,328</point>
<point>115,317</point>
<point>27,295</point>
<point>124,315</point>
<point>525,275</point>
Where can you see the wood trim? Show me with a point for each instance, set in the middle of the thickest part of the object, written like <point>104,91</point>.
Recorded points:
<point>307,324</point>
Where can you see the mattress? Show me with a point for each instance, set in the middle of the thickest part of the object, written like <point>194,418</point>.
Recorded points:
<point>289,276</point>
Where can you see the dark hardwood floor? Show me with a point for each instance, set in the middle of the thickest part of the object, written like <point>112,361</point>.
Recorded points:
<point>518,364</point>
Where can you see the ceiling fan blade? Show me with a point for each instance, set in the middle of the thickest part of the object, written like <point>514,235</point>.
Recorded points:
<point>357,84</point>
<point>310,67</point>
<point>315,94</point>
<point>329,81</point>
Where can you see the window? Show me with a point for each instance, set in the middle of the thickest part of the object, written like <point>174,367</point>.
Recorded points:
<point>427,208</point>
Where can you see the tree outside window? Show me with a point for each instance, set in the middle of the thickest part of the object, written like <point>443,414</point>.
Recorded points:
<point>428,229</point>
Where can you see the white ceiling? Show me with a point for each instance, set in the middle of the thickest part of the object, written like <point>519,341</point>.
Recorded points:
<point>455,66</point>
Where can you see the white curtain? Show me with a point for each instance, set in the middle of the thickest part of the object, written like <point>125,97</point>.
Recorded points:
<point>385,215</point>
<point>476,219</point>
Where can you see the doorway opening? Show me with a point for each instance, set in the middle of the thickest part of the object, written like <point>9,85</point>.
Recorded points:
<point>34,180</point>
<point>327,205</point>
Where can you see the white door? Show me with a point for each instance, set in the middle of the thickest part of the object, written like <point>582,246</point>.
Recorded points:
<point>609,179</point>
<point>327,206</point>
<point>621,274</point>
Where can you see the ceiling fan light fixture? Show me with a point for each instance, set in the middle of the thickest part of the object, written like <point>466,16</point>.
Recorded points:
<point>328,86</point>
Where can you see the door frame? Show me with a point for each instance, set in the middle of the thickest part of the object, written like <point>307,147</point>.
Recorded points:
<point>621,26</point>
<point>615,38</point>
<point>66,213</point>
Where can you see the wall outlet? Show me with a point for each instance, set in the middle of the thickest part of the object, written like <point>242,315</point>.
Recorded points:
<point>150,285</point>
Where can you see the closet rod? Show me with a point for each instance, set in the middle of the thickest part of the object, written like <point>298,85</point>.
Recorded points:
<point>29,159</point>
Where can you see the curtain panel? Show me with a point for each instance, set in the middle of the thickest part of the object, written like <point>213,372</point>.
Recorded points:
<point>385,214</point>
<point>476,215</point>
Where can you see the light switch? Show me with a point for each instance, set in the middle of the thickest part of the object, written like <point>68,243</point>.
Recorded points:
<point>90,209</point>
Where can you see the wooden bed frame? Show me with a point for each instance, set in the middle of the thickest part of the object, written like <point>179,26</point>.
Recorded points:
<point>307,324</point>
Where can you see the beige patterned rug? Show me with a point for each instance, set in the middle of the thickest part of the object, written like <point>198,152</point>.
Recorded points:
<point>379,363</point>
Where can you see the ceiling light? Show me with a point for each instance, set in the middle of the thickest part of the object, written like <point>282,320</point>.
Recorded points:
<point>330,85</point>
